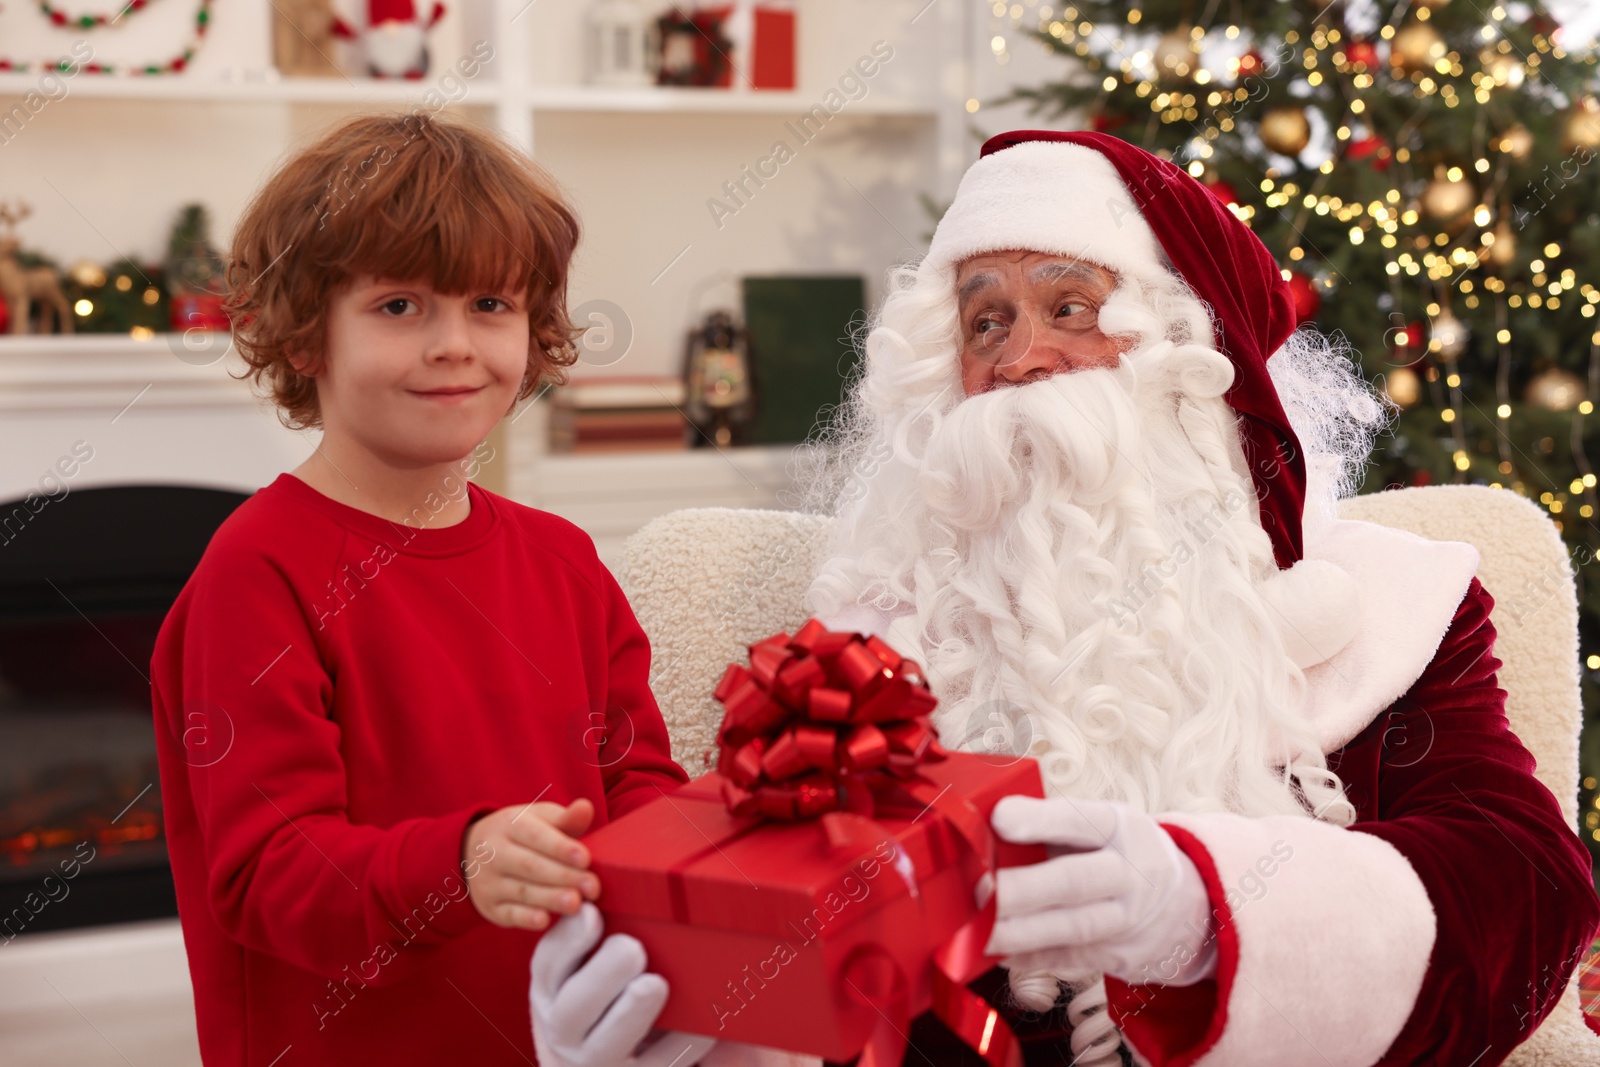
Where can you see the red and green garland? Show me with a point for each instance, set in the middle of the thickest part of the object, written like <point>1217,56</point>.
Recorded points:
<point>175,65</point>
<point>87,22</point>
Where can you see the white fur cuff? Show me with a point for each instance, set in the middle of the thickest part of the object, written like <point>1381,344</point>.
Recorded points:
<point>1334,931</point>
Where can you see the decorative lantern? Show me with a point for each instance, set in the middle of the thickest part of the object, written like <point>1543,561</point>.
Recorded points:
<point>718,398</point>
<point>620,40</point>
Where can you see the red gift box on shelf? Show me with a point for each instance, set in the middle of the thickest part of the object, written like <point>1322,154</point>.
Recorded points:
<point>763,37</point>
<point>819,890</point>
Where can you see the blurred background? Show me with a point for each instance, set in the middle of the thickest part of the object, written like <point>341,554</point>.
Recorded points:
<point>746,174</point>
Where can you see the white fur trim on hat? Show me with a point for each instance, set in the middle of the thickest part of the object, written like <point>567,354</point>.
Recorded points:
<point>1047,196</point>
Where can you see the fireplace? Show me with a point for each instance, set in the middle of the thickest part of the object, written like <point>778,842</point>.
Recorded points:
<point>119,458</point>
<point>85,580</point>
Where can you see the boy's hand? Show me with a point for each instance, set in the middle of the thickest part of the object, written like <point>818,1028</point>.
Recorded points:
<point>537,867</point>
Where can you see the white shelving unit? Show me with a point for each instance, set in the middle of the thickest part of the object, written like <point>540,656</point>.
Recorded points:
<point>107,161</point>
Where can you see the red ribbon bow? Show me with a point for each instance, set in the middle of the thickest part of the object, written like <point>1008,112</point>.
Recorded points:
<point>818,721</point>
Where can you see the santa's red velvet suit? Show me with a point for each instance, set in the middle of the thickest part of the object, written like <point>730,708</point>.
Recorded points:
<point>1439,928</point>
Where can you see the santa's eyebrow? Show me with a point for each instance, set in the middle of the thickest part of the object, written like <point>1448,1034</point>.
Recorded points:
<point>975,284</point>
<point>1050,272</point>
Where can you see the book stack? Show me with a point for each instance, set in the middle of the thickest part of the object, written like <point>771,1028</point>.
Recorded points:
<point>618,415</point>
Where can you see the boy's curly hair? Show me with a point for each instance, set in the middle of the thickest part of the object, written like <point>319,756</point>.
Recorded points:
<point>407,197</point>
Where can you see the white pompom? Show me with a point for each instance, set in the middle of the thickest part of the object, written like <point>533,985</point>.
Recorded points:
<point>1317,606</point>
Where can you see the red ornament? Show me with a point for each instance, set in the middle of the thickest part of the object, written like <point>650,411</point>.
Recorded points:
<point>1374,150</point>
<point>5,316</point>
<point>1362,54</point>
<point>1101,122</point>
<point>1248,64</point>
<point>1223,191</point>
<point>1306,298</point>
<point>1422,477</point>
<point>1408,345</point>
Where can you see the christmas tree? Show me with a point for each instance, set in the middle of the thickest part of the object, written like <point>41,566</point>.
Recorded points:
<point>1425,171</point>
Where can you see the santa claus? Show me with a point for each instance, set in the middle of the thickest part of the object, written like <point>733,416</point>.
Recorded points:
<point>1089,478</point>
<point>1288,819</point>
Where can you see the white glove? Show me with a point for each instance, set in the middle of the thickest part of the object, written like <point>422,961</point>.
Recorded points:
<point>1117,895</point>
<point>595,1014</point>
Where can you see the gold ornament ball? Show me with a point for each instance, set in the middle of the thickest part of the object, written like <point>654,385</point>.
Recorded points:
<point>1503,251</point>
<point>1175,54</point>
<point>1505,69</point>
<point>1286,130</point>
<point>1583,126</point>
<point>1416,47</point>
<point>1449,334</point>
<point>1447,200</point>
<point>1402,386</point>
<point>87,273</point>
<point>1516,142</point>
<point>1555,389</point>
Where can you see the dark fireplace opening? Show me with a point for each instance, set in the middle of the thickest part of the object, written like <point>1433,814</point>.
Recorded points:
<point>85,581</point>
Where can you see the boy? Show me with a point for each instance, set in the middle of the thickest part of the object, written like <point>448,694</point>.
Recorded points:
<point>388,701</point>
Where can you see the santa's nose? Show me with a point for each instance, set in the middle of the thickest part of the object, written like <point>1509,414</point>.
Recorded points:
<point>1029,355</point>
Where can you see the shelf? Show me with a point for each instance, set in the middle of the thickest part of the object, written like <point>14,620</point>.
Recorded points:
<point>282,91</point>
<point>647,99</point>
<point>547,98</point>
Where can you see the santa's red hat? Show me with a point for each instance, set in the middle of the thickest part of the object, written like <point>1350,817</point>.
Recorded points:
<point>1098,198</point>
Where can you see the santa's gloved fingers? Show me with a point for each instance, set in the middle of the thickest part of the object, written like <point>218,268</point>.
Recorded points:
<point>1063,821</point>
<point>593,988</point>
<point>1058,927</point>
<point>674,1049</point>
<point>1063,882</point>
<point>562,948</point>
<point>611,1042</point>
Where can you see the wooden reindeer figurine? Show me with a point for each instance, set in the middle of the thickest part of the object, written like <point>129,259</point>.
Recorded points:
<point>22,286</point>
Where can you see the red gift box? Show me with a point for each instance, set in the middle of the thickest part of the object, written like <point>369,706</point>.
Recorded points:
<point>826,934</point>
<point>769,934</point>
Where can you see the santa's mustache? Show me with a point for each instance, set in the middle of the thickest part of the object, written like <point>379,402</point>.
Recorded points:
<point>1076,430</point>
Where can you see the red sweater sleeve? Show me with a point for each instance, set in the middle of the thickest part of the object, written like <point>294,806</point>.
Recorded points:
<point>287,872</point>
<point>1509,879</point>
<point>633,749</point>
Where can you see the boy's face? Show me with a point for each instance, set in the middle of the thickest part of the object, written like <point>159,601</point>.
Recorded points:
<point>416,377</point>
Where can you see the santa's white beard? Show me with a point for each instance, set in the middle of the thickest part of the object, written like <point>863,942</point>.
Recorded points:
<point>1083,556</point>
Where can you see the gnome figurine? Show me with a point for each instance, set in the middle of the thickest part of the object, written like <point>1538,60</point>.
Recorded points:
<point>394,37</point>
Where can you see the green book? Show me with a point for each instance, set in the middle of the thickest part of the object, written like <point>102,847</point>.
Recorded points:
<point>801,353</point>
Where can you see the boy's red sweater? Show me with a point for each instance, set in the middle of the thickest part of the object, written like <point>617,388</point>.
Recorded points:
<point>336,697</point>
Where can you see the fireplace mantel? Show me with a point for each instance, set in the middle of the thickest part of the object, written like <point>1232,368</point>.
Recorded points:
<point>152,412</point>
